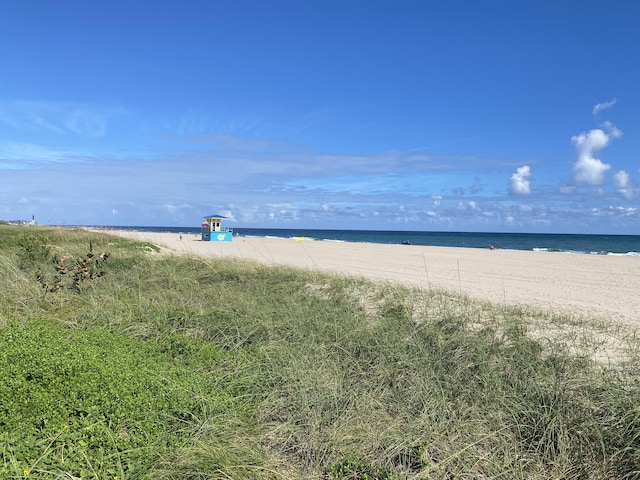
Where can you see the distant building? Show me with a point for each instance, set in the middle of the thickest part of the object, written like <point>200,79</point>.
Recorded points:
<point>213,231</point>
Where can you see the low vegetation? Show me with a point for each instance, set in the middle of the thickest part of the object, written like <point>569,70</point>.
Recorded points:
<point>118,362</point>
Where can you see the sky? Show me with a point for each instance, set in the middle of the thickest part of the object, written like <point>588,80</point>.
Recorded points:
<point>431,115</point>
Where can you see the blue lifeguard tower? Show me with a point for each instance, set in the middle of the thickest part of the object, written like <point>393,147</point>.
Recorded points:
<point>213,232</point>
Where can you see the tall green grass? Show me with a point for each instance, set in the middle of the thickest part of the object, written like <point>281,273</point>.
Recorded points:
<point>176,368</point>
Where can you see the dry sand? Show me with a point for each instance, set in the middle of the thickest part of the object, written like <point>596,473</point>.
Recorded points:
<point>600,286</point>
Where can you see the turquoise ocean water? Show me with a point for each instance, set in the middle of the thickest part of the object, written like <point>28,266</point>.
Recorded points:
<point>585,244</point>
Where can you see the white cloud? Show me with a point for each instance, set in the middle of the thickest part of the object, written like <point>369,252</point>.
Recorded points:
<point>603,106</point>
<point>61,118</point>
<point>614,211</point>
<point>19,153</point>
<point>614,132</point>
<point>519,182</point>
<point>87,123</point>
<point>589,169</point>
<point>230,215</point>
<point>623,184</point>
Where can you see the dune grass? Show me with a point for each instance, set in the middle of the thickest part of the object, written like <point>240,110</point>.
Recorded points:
<point>168,367</point>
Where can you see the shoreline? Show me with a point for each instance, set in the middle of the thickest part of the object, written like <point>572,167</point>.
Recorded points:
<point>588,244</point>
<point>602,287</point>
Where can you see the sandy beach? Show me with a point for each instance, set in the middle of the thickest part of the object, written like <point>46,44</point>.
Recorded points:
<point>600,286</point>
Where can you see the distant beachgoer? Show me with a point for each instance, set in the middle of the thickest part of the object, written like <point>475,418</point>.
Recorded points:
<point>181,237</point>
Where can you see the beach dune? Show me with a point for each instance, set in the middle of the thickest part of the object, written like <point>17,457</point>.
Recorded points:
<point>601,286</point>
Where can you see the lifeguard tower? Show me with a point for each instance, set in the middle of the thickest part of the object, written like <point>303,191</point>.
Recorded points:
<point>213,232</point>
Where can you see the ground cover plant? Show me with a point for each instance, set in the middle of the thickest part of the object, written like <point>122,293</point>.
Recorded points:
<point>174,367</point>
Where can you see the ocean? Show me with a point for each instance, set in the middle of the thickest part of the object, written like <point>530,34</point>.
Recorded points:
<point>570,243</point>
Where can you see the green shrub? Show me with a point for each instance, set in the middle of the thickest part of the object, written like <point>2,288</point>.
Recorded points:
<point>34,248</point>
<point>89,402</point>
<point>356,470</point>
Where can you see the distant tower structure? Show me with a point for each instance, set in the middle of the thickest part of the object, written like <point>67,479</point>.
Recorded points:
<point>212,230</point>
<point>33,220</point>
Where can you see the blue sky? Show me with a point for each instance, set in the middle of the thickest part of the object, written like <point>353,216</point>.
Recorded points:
<point>387,115</point>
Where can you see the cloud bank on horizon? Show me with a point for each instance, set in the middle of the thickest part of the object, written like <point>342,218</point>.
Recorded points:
<point>384,116</point>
